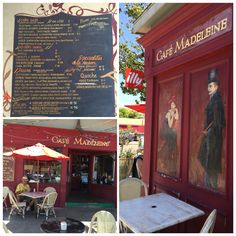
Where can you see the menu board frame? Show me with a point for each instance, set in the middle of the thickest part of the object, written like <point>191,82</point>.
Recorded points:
<point>62,66</point>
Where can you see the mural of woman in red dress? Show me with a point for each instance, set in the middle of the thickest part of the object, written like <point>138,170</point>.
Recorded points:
<point>167,154</point>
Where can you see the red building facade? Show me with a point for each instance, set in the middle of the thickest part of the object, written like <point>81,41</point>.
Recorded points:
<point>183,53</point>
<point>91,155</point>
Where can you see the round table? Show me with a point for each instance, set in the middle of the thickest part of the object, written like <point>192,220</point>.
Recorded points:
<point>54,226</point>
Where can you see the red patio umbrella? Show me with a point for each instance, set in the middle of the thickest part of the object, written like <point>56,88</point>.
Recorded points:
<point>37,152</point>
<point>137,107</point>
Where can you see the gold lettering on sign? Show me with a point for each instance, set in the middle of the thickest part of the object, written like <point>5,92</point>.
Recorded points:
<point>80,141</point>
<point>186,42</point>
<point>164,54</point>
<point>200,36</point>
<point>92,142</point>
<point>224,24</point>
<point>61,140</point>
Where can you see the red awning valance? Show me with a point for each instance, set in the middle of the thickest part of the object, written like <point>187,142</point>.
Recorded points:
<point>137,107</point>
<point>135,128</point>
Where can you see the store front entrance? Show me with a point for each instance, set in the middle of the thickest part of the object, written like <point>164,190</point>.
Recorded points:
<point>80,166</point>
<point>80,172</point>
<point>91,178</point>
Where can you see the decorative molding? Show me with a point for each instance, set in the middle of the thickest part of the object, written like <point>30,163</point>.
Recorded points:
<point>6,75</point>
<point>76,10</point>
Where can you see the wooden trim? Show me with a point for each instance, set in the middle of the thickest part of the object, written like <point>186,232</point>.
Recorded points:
<point>190,12</point>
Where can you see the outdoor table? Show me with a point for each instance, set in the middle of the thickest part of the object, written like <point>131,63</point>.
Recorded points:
<point>33,195</point>
<point>155,212</point>
<point>54,226</point>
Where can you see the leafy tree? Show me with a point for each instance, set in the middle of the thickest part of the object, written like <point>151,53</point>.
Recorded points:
<point>127,113</point>
<point>131,53</point>
<point>124,137</point>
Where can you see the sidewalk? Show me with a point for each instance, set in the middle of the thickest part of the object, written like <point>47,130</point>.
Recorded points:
<point>32,225</point>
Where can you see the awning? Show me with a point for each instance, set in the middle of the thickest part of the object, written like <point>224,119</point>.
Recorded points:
<point>135,128</point>
<point>137,107</point>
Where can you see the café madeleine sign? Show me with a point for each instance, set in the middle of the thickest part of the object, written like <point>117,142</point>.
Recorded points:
<point>80,141</point>
<point>214,27</point>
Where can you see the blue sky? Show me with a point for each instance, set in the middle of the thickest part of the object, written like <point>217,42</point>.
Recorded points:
<point>125,99</point>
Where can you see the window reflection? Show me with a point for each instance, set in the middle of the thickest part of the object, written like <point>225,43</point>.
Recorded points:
<point>104,169</point>
<point>44,171</point>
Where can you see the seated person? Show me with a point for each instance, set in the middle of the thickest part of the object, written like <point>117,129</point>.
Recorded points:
<point>46,177</point>
<point>103,179</point>
<point>109,179</point>
<point>136,168</point>
<point>21,188</point>
<point>139,166</point>
<point>30,176</point>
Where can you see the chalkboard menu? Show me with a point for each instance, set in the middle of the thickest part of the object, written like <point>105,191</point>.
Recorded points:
<point>8,168</point>
<point>63,66</point>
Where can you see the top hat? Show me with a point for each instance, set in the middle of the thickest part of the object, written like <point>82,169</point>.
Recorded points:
<point>213,76</point>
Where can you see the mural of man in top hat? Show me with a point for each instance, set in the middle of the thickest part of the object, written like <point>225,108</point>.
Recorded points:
<point>211,145</point>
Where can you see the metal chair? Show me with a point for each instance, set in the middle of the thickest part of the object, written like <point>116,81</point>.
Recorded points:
<point>16,206</point>
<point>48,204</point>
<point>5,193</point>
<point>209,223</point>
<point>102,222</point>
<point>131,188</point>
<point>49,190</point>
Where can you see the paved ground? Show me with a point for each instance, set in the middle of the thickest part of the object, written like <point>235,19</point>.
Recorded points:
<point>32,225</point>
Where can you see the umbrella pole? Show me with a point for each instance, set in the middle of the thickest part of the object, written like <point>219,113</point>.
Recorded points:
<point>38,176</point>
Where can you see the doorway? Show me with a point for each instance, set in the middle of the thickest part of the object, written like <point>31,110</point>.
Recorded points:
<point>80,172</point>
<point>79,190</point>
<point>87,187</point>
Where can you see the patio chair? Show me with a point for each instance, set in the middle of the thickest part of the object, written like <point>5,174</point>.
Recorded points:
<point>49,190</point>
<point>209,223</point>
<point>19,207</point>
<point>131,188</point>
<point>46,190</point>
<point>102,222</point>
<point>48,204</point>
<point>5,192</point>
<point>5,229</point>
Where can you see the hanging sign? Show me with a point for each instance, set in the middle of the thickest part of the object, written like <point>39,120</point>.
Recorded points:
<point>134,78</point>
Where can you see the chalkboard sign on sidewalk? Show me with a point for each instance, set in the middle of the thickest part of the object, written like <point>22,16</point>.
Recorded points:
<point>8,169</point>
<point>63,66</point>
